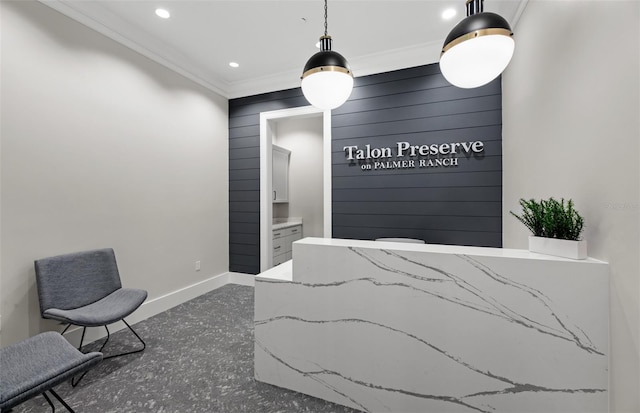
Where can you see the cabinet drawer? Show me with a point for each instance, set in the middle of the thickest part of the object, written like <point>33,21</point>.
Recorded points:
<point>277,260</point>
<point>297,230</point>
<point>290,239</point>
<point>282,240</point>
<point>280,246</point>
<point>284,232</point>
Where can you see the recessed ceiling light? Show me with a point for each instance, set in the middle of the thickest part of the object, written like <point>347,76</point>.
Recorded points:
<point>234,64</point>
<point>449,14</point>
<point>163,13</point>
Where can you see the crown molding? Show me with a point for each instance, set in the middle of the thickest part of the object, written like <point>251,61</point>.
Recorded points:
<point>85,13</point>
<point>96,17</point>
<point>516,18</point>
<point>389,60</point>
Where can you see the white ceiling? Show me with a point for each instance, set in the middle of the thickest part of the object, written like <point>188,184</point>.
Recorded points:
<point>272,40</point>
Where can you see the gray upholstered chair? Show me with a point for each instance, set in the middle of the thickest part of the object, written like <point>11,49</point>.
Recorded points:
<point>84,289</point>
<point>37,364</point>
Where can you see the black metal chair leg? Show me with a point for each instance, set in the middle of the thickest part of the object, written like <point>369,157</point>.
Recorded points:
<point>61,401</point>
<point>53,408</point>
<point>74,382</point>
<point>84,330</point>
<point>105,340</point>
<point>144,345</point>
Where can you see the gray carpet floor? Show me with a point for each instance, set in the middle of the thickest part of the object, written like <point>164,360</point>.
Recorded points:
<point>199,358</point>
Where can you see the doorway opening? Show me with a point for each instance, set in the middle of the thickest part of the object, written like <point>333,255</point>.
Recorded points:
<point>268,135</point>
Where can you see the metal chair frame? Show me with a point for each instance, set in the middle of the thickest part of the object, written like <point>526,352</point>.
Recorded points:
<point>74,383</point>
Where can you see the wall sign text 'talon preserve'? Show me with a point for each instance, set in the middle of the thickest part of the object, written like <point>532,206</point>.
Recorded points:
<point>404,155</point>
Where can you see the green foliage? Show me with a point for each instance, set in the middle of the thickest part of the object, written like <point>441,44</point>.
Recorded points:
<point>551,219</point>
<point>532,216</point>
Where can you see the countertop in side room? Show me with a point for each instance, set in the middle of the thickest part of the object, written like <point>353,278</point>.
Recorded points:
<point>281,223</point>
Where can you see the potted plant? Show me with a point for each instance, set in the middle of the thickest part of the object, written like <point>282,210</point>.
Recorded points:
<point>556,227</point>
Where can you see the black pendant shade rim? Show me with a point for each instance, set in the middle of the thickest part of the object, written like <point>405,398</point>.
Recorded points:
<point>325,58</point>
<point>477,22</point>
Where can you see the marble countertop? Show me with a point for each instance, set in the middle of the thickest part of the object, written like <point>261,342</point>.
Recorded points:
<point>440,248</point>
<point>282,272</point>
<point>285,223</point>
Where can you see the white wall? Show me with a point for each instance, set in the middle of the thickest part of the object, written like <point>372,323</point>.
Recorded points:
<point>571,110</point>
<point>303,137</point>
<point>102,147</point>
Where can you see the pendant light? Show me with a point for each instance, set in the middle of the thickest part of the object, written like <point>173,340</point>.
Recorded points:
<point>327,80</point>
<point>478,48</point>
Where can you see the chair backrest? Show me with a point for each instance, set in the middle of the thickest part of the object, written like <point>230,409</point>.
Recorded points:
<point>74,280</point>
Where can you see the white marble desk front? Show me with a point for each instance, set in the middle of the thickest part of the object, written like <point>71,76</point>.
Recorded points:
<point>391,327</point>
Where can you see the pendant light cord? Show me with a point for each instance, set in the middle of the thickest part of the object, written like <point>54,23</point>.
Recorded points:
<point>325,18</point>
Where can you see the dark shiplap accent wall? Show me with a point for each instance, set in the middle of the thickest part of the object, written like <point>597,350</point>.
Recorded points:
<point>244,174</point>
<point>455,205</point>
<point>461,205</point>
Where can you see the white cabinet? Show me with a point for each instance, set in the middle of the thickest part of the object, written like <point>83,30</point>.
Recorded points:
<point>282,243</point>
<point>280,174</point>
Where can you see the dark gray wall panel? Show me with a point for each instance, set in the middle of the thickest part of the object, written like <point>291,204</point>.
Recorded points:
<point>489,163</point>
<point>244,174</point>
<point>245,239</point>
<point>245,153</point>
<point>429,236</point>
<point>430,208</point>
<point>399,86</point>
<point>253,105</point>
<point>412,98</point>
<point>244,196</point>
<point>412,72</point>
<point>244,217</point>
<point>461,179</point>
<point>246,185</point>
<point>467,120</point>
<point>246,142</point>
<point>244,207</point>
<point>242,163</point>
<point>460,194</point>
<point>244,249</point>
<point>418,111</point>
<point>246,269</point>
<point>244,131</point>
<point>244,228</point>
<point>454,205</point>
<point>240,121</point>
<point>449,205</point>
<point>439,136</point>
<point>431,223</point>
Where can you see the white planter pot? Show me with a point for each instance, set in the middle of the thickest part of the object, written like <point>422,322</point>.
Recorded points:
<point>576,250</point>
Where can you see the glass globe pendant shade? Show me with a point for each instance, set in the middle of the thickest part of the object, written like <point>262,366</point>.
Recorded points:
<point>477,50</point>
<point>477,61</point>
<point>327,89</point>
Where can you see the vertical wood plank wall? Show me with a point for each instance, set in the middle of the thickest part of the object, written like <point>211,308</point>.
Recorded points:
<point>448,205</point>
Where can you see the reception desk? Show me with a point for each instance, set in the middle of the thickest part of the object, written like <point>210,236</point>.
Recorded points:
<point>394,327</point>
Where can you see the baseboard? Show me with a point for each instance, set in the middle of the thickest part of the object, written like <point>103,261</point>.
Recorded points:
<point>163,303</point>
<point>242,279</point>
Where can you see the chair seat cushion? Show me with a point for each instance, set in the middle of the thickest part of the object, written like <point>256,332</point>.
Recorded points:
<point>110,309</point>
<point>32,366</point>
